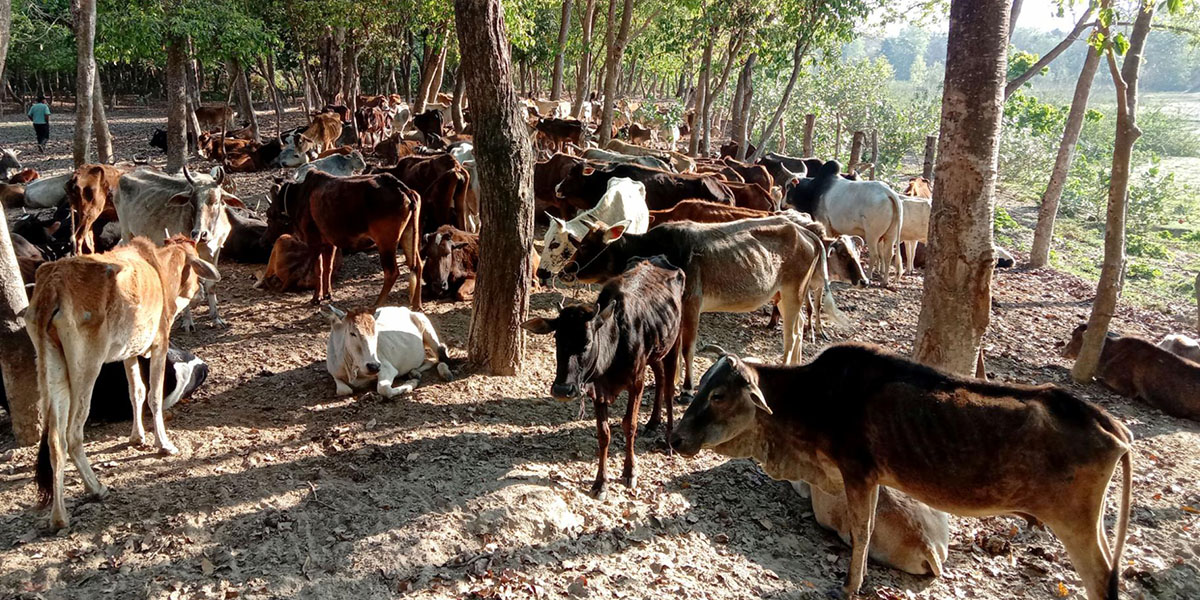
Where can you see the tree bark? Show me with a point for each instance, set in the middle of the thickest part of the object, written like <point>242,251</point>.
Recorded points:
<point>797,64</point>
<point>1013,13</point>
<point>456,107</point>
<point>931,143</point>
<point>1039,254</point>
<point>241,84</point>
<point>427,68</point>
<point>435,85</point>
<point>1112,272</point>
<point>268,66</point>
<point>856,148</point>
<point>104,142</point>
<point>697,139</point>
<point>956,302</point>
<point>584,67</point>
<point>806,143</point>
<point>193,74</point>
<point>1054,52</point>
<point>743,118</point>
<point>84,14</point>
<point>504,160</point>
<point>616,50</point>
<point>564,30</point>
<point>176,105</point>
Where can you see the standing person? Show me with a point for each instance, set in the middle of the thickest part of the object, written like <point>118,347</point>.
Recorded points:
<point>39,113</point>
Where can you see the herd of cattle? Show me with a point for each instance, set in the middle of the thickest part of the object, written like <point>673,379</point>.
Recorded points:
<point>113,256</point>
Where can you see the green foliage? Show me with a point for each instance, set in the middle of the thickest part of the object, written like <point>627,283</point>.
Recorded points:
<point>1020,61</point>
<point>1145,247</point>
<point>1025,111</point>
<point>1143,271</point>
<point>1004,221</point>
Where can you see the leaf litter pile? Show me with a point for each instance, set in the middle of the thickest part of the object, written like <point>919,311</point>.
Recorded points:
<point>477,488</point>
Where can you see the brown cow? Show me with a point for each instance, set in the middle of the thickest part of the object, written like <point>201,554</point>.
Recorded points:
<point>442,183</point>
<point>24,176</point>
<point>90,193</point>
<point>394,147</point>
<point>371,122</point>
<point>324,130</point>
<point>919,187</point>
<point>12,195</point>
<point>702,211</point>
<point>341,111</point>
<point>89,310</point>
<point>1136,368</point>
<point>327,212</point>
<point>547,175</point>
<point>639,134</point>
<point>451,260</point>
<point>859,417</point>
<point>558,132</point>
<point>752,195</point>
<point>343,150</point>
<point>213,146</point>
<point>751,173</point>
<point>214,117</point>
<point>292,267</point>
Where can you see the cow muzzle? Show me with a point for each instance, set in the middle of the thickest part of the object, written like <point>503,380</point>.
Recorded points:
<point>373,368</point>
<point>200,236</point>
<point>564,392</point>
<point>543,275</point>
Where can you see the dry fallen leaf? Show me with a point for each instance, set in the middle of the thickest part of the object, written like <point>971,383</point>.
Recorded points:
<point>206,566</point>
<point>1063,592</point>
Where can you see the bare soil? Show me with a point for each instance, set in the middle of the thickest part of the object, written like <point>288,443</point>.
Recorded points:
<point>477,488</point>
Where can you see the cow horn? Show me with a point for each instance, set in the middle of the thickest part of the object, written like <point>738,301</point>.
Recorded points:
<point>562,301</point>
<point>166,234</point>
<point>715,348</point>
<point>188,176</point>
<point>220,175</point>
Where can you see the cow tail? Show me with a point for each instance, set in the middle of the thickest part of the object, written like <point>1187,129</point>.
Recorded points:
<point>894,229</point>
<point>1114,577</point>
<point>829,306</point>
<point>46,307</point>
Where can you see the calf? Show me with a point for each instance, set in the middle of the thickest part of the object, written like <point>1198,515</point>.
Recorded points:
<point>394,147</point>
<point>663,190</point>
<point>327,212</point>
<point>372,122</point>
<point>430,123</point>
<point>90,192</point>
<point>215,117</point>
<point>603,350</point>
<point>623,202</point>
<point>451,258</point>
<point>1136,368</point>
<point>442,184</point>
<point>378,346</point>
<point>919,187</point>
<point>292,267</point>
<point>99,308</point>
<point>858,417</point>
<point>1181,345</point>
<point>914,230</point>
<point>324,130</point>
<point>341,165</point>
<point>731,267</point>
<point>247,237</point>
<point>12,195</point>
<point>561,131</point>
<point>547,175</point>
<point>638,134</point>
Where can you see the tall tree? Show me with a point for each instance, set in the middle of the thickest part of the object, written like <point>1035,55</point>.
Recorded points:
<point>241,85</point>
<point>176,104</point>
<point>957,299</point>
<point>1112,272</point>
<point>584,68</point>
<point>1039,255</point>
<point>615,41</point>
<point>564,30</point>
<point>83,13</point>
<point>504,160</point>
<point>741,120</point>
<point>104,143</point>
<point>694,143</point>
<point>803,38</point>
<point>16,351</point>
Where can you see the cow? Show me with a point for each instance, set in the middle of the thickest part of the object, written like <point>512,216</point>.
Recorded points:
<point>9,162</point>
<point>149,202</point>
<point>908,535</point>
<point>547,175</point>
<point>323,132</point>
<point>731,267</point>
<point>869,209</point>
<point>337,109</point>
<point>561,131</point>
<point>29,258</point>
<point>596,154</point>
<point>919,187</point>
<point>451,261</point>
<point>292,267</point>
<point>913,230</point>
<point>752,195</point>
<point>781,174</point>
<point>158,138</point>
<point>372,122</point>
<point>215,117</point>
<point>639,134</point>
<point>624,202</point>
<point>47,192</point>
<point>680,162</point>
<point>584,185</point>
<point>430,123</point>
<point>442,184</point>
<point>216,147</point>
<point>256,157</point>
<point>401,115</point>
<point>464,153</point>
<point>246,242</point>
<point>1181,345</point>
<point>24,176</point>
<point>341,165</point>
<point>48,231</point>
<point>394,147</point>
<point>12,195</point>
<point>327,212</point>
<point>603,350</point>
<point>730,149</point>
<point>859,417</point>
<point>1136,368</point>
<point>89,310</point>
<point>377,346</point>
<point>90,193</point>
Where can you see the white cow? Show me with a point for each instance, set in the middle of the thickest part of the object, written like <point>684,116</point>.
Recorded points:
<point>47,192</point>
<point>464,153</point>
<point>623,202</point>
<point>1182,345</point>
<point>915,228</point>
<point>378,347</point>
<point>870,209</point>
<point>334,164</point>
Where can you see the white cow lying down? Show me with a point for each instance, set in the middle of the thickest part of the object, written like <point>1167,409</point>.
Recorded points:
<point>378,347</point>
<point>623,201</point>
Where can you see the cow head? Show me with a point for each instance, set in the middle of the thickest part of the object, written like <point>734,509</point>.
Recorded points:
<point>575,184</point>
<point>593,261</point>
<point>295,153</point>
<point>579,344</point>
<point>207,199</point>
<point>195,270</point>
<point>438,251</point>
<point>1076,344</point>
<point>9,160</point>
<point>845,260</point>
<point>353,341</point>
<point>158,139</point>
<point>725,406</point>
<point>557,248</point>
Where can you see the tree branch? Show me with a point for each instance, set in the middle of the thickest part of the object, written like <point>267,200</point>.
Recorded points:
<point>1062,46</point>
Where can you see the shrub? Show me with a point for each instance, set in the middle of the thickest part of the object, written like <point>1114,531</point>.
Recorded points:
<point>1145,247</point>
<point>1141,271</point>
<point>1004,221</point>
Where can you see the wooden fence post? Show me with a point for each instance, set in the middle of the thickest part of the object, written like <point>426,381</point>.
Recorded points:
<point>856,146</point>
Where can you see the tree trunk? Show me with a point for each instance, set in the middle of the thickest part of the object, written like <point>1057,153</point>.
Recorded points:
<point>564,30</point>
<point>268,67</point>
<point>427,68</point>
<point>615,41</point>
<point>956,301</point>
<point>736,108</point>
<point>584,67</point>
<point>406,80</point>
<point>193,74</point>
<point>743,118</point>
<point>1112,272</point>
<point>806,142</point>
<point>456,107</point>
<point>1054,52</point>
<point>1039,254</point>
<point>797,64</point>
<point>695,143</point>
<point>84,15</point>
<point>1013,13</point>
<point>176,105</point>
<point>931,143</point>
<point>104,142</point>
<point>435,85</point>
<point>856,148</point>
<point>241,83</point>
<point>504,160</point>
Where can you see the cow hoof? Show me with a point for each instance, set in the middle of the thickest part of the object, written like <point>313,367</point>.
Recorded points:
<point>58,522</point>
<point>188,325</point>
<point>630,481</point>
<point>650,426</point>
<point>599,492</point>
<point>168,449</point>
<point>444,371</point>
<point>137,441</point>
<point>220,323</point>
<point>100,494</point>
<point>684,399</point>
<point>315,301</point>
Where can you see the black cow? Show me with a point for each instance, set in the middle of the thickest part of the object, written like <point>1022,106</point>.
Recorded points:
<point>247,238</point>
<point>185,373</point>
<point>430,123</point>
<point>663,189</point>
<point>158,139</point>
<point>560,131</point>
<point>604,349</point>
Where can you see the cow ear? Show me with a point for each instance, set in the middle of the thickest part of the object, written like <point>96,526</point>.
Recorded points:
<point>204,269</point>
<point>588,170</point>
<point>859,243</point>
<point>180,200</point>
<point>233,201</point>
<point>332,313</point>
<point>607,312</point>
<point>538,325</point>
<point>615,232</point>
<point>756,397</point>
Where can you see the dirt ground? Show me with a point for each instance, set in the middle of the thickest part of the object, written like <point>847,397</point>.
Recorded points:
<point>477,488</point>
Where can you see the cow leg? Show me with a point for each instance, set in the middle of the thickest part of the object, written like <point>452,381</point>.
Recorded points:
<point>55,393</point>
<point>410,240</point>
<point>331,254</point>
<point>209,289</point>
<point>387,374</point>
<point>603,436</point>
<point>1078,535</point>
<point>158,365</point>
<point>629,428</point>
<point>319,266</point>
<point>793,336</point>
<point>83,381</point>
<point>137,396</point>
<point>186,322</point>
<point>861,499</point>
<point>688,326</point>
<point>656,367</point>
<point>666,387</point>
<point>387,259</point>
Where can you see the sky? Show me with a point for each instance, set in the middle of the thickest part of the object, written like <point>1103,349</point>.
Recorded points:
<point>1036,14</point>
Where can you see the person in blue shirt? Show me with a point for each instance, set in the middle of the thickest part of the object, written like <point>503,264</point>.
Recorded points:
<point>39,113</point>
